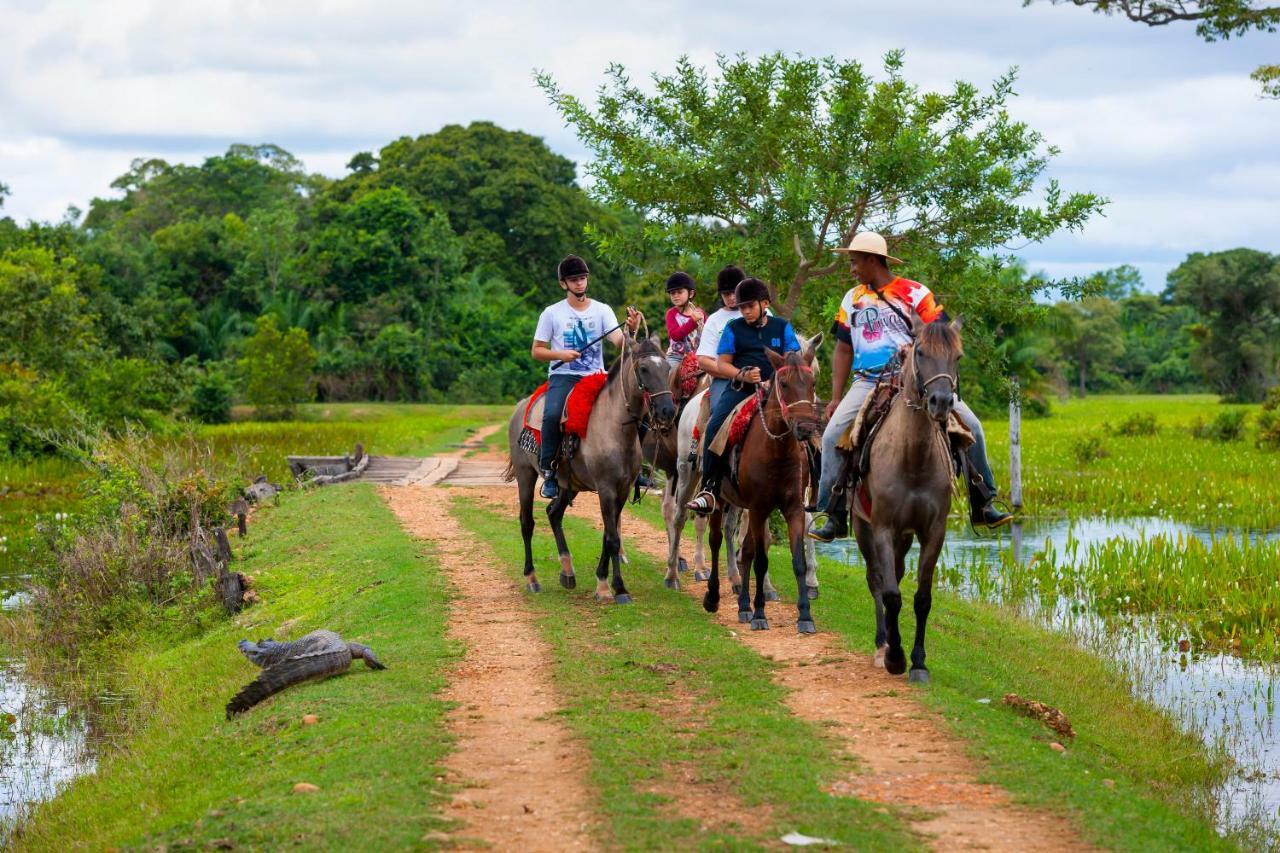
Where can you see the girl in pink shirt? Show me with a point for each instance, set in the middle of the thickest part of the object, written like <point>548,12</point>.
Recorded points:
<point>684,318</point>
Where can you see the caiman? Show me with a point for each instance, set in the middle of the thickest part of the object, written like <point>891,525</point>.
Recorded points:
<point>319,654</point>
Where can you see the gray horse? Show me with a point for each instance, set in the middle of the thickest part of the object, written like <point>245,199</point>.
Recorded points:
<point>606,463</point>
<point>910,483</point>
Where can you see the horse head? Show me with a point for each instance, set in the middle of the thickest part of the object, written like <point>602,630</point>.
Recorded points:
<point>652,373</point>
<point>931,373</point>
<point>793,385</point>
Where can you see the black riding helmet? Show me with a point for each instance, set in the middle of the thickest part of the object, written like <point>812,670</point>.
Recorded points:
<point>727,279</point>
<point>750,290</point>
<point>570,267</point>
<point>680,281</point>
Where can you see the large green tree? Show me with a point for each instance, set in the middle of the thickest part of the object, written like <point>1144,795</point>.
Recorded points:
<point>1236,295</point>
<point>1089,337</point>
<point>1214,19</point>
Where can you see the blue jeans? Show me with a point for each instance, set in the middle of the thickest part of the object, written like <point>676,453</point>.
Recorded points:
<point>717,388</point>
<point>558,388</point>
<point>720,409</point>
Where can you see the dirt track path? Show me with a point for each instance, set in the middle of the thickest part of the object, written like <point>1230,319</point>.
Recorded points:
<point>523,777</point>
<point>903,751</point>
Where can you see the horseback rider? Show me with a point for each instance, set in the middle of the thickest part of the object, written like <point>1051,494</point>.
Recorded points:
<point>741,355</point>
<point>565,335</point>
<point>708,345</point>
<point>871,326</point>
<point>684,318</point>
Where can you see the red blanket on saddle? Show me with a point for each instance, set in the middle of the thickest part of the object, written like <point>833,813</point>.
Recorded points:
<point>742,421</point>
<point>688,373</point>
<point>577,408</point>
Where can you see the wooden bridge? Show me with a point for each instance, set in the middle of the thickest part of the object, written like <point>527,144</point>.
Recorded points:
<point>433,470</point>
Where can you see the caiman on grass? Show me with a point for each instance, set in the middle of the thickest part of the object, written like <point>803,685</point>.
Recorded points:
<point>319,654</point>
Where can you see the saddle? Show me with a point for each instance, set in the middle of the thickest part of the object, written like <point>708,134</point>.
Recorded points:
<point>734,428</point>
<point>573,420</point>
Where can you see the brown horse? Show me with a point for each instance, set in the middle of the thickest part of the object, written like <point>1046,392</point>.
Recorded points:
<point>773,473</point>
<point>606,462</point>
<point>910,483</point>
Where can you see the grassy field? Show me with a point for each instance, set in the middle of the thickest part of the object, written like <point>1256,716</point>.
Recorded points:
<point>189,777</point>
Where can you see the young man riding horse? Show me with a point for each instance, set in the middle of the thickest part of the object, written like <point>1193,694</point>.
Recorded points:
<point>568,335</point>
<point>872,325</point>
<point>742,356</point>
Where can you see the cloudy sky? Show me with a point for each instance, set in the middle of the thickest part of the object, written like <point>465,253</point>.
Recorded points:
<point>1168,127</point>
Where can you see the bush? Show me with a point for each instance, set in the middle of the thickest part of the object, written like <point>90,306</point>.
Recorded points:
<point>1227,426</point>
<point>33,410</point>
<point>1143,423</point>
<point>276,369</point>
<point>1087,449</point>
<point>1269,421</point>
<point>211,397</point>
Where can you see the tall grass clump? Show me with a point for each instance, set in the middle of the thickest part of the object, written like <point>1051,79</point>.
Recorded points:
<point>123,561</point>
<point>1226,426</point>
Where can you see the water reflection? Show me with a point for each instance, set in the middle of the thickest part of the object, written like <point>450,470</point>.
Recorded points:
<point>1226,700</point>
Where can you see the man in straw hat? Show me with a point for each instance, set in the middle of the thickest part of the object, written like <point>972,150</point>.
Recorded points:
<point>873,323</point>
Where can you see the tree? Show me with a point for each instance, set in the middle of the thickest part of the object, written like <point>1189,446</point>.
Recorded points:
<point>774,162</point>
<point>1091,336</point>
<point>276,369</point>
<point>1214,20</point>
<point>1236,295</point>
<point>44,320</point>
<point>1116,283</point>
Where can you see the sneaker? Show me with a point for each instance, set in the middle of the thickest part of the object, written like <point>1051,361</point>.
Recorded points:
<point>703,503</point>
<point>550,488</point>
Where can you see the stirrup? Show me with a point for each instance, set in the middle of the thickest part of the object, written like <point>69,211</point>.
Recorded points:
<point>700,506</point>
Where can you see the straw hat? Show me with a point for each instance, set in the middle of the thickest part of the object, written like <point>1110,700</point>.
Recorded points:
<point>872,244</point>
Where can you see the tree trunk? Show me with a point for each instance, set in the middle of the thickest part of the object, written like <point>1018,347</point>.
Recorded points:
<point>1082,375</point>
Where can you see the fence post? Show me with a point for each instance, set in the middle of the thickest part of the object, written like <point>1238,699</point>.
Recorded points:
<point>1015,444</point>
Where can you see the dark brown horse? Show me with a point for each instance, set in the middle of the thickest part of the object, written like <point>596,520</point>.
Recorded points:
<point>606,462</point>
<point>773,473</point>
<point>910,483</point>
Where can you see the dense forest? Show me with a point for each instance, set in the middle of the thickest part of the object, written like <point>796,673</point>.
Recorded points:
<point>418,276</point>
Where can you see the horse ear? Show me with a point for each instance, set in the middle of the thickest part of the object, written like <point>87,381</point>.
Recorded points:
<point>917,324</point>
<point>656,341</point>
<point>811,351</point>
<point>774,358</point>
<point>957,324</point>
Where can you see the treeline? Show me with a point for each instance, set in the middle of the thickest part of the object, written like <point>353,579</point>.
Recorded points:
<point>418,276</point>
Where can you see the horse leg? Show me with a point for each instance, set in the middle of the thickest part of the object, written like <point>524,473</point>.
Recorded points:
<point>757,531</point>
<point>732,518</point>
<point>526,481</point>
<point>770,592</point>
<point>611,512</point>
<point>711,598</point>
<point>743,588</point>
<point>895,659</point>
<point>810,561</point>
<point>699,547</point>
<point>930,548</point>
<point>797,523</point>
<point>555,514</point>
<point>862,532</point>
<point>674,519</point>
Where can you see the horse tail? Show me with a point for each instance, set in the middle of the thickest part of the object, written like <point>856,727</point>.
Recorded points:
<point>509,473</point>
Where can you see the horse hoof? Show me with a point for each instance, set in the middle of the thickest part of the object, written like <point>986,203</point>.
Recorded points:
<point>806,626</point>
<point>737,589</point>
<point>568,581</point>
<point>895,663</point>
<point>709,604</point>
<point>533,586</point>
<point>683,566</point>
<point>813,593</point>
<point>622,599</point>
<point>671,583</point>
<point>770,595</point>
<point>878,660</point>
<point>744,616</point>
<point>701,576</point>
<point>601,599</point>
<point>759,624</point>
<point>918,676</point>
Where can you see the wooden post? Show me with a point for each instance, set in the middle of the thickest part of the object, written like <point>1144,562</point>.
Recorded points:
<point>1015,445</point>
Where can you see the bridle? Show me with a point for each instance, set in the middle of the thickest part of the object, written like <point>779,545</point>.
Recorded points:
<point>922,386</point>
<point>775,389</point>
<point>647,396</point>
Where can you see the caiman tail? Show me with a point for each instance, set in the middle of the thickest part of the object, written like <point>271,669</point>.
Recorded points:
<point>286,674</point>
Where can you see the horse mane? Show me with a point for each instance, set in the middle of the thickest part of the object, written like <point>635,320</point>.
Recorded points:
<point>939,340</point>
<point>645,348</point>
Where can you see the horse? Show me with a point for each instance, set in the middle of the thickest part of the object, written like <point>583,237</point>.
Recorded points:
<point>773,473</point>
<point>909,482</point>
<point>607,462</point>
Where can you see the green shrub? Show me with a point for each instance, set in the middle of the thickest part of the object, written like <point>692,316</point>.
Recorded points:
<point>1141,423</point>
<point>1269,421</point>
<point>1086,449</point>
<point>33,411</point>
<point>276,369</point>
<point>1228,425</point>
<point>211,397</point>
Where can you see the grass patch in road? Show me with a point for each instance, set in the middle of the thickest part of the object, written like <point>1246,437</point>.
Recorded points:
<point>655,687</point>
<point>333,558</point>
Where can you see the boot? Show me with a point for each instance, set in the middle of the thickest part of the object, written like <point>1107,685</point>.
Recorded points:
<point>705,502</point>
<point>837,526</point>
<point>982,512</point>
<point>550,488</point>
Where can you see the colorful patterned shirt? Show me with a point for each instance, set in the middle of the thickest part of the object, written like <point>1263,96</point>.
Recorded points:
<point>876,332</point>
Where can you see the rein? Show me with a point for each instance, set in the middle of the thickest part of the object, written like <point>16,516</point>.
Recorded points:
<point>937,429</point>
<point>775,390</point>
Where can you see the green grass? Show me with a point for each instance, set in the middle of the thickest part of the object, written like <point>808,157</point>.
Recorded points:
<point>190,775</point>
<point>1170,474</point>
<point>656,686</point>
<point>978,651</point>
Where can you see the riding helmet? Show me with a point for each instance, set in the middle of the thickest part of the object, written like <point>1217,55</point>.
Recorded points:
<point>727,279</point>
<point>751,290</point>
<point>571,266</point>
<point>680,281</point>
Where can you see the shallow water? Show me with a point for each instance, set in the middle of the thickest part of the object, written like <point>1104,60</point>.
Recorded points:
<point>1227,701</point>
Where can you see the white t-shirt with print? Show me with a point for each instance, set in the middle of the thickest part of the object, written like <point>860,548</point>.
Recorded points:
<point>713,328</point>
<point>564,327</point>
